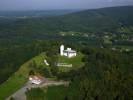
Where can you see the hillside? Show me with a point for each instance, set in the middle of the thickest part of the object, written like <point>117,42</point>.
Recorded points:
<point>36,64</point>
<point>105,19</point>
<point>34,13</point>
<point>19,78</point>
<point>75,61</point>
<point>107,75</point>
<point>97,20</point>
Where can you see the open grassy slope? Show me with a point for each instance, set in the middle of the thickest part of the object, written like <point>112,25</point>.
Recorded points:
<point>75,61</point>
<point>50,93</point>
<point>18,79</point>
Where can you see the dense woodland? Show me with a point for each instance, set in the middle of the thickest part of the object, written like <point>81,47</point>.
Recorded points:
<point>106,75</point>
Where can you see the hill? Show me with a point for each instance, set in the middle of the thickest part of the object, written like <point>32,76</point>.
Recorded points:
<point>18,79</point>
<point>107,75</point>
<point>99,20</point>
<point>36,64</point>
<point>34,13</point>
<point>96,20</point>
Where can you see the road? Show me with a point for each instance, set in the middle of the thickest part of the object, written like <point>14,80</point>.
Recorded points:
<point>20,94</point>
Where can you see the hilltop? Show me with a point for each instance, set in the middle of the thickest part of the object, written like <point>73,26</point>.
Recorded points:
<point>36,64</point>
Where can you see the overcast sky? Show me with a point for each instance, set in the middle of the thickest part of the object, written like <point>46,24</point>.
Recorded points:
<point>59,4</point>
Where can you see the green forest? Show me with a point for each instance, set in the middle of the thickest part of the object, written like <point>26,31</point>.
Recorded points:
<point>106,75</point>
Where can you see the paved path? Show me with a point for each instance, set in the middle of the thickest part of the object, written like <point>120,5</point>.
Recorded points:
<point>20,94</point>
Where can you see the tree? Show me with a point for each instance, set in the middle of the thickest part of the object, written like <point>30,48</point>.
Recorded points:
<point>12,98</point>
<point>31,72</point>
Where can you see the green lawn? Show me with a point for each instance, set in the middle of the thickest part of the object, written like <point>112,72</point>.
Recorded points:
<point>56,92</point>
<point>18,79</point>
<point>36,94</point>
<point>75,61</point>
<point>50,93</point>
<point>11,85</point>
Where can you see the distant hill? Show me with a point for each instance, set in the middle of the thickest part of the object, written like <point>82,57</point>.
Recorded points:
<point>95,20</point>
<point>35,13</point>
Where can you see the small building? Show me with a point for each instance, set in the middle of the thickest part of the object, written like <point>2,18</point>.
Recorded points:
<point>68,52</point>
<point>36,79</point>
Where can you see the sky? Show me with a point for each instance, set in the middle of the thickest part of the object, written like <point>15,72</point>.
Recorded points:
<point>60,4</point>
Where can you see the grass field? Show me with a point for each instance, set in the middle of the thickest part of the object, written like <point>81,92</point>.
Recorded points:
<point>36,94</point>
<point>18,79</point>
<point>50,93</point>
<point>56,92</point>
<point>75,61</point>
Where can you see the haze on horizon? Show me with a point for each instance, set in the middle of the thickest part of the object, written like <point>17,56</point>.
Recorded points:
<point>8,5</point>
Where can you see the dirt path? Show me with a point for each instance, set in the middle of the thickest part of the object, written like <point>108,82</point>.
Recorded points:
<point>20,94</point>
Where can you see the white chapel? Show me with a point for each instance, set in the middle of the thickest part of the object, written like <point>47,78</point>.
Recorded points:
<point>68,52</point>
